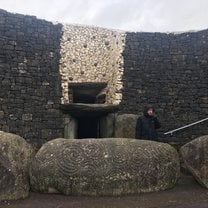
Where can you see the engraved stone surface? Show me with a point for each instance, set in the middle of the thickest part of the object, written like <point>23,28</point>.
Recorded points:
<point>195,157</point>
<point>15,156</point>
<point>104,167</point>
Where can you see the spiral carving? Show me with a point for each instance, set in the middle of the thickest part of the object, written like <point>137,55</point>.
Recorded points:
<point>101,166</point>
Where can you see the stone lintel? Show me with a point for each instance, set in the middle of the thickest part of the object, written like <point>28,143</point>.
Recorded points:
<point>80,109</point>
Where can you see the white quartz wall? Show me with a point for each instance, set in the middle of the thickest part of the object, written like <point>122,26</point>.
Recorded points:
<point>92,54</point>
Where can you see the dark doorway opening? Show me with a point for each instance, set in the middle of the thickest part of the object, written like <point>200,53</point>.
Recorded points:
<point>88,92</point>
<point>83,98</point>
<point>88,127</point>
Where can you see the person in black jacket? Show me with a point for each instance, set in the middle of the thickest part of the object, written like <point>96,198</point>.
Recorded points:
<point>147,125</point>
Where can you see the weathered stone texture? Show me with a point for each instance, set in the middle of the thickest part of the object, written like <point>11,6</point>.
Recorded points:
<point>92,54</point>
<point>29,77</point>
<point>38,59</point>
<point>169,71</point>
<point>104,167</point>
<point>15,158</point>
<point>125,125</point>
<point>195,157</point>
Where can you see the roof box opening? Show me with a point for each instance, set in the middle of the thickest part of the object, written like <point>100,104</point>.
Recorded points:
<point>88,92</point>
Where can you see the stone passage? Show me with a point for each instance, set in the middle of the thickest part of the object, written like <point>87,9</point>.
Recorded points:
<point>104,167</point>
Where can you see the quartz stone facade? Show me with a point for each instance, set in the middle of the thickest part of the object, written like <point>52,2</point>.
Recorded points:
<point>92,54</point>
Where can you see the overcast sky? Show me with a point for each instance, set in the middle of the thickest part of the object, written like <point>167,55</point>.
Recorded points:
<point>130,15</point>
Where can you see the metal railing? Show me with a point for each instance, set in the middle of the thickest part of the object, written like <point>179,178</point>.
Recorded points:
<point>186,126</point>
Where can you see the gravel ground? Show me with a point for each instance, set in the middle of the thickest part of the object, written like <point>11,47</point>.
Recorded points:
<point>186,194</point>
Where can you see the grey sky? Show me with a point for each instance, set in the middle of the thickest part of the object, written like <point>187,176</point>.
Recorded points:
<point>130,15</point>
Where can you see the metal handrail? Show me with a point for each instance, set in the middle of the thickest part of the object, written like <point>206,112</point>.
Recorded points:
<point>186,126</point>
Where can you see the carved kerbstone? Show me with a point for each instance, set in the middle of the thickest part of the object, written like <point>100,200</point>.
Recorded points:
<point>15,156</point>
<point>195,157</point>
<point>104,167</point>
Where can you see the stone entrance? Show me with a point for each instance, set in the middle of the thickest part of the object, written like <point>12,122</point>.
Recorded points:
<point>88,114</point>
<point>89,120</point>
<point>88,127</point>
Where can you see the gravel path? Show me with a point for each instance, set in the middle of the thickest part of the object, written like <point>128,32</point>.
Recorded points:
<point>186,194</point>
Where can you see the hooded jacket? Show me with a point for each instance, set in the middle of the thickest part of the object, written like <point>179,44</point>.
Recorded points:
<point>146,126</point>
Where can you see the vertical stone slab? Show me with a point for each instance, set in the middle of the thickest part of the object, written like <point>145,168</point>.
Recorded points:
<point>70,128</point>
<point>107,126</point>
<point>125,125</point>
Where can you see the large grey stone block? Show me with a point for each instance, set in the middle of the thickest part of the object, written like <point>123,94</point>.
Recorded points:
<point>15,157</point>
<point>195,157</point>
<point>125,125</point>
<point>104,167</point>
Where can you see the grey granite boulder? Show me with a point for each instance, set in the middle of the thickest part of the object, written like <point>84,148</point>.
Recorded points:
<point>104,167</point>
<point>15,156</point>
<point>125,125</point>
<point>195,157</point>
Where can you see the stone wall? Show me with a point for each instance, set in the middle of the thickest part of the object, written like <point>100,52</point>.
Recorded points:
<point>29,77</point>
<point>38,59</point>
<point>92,54</point>
<point>169,71</point>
